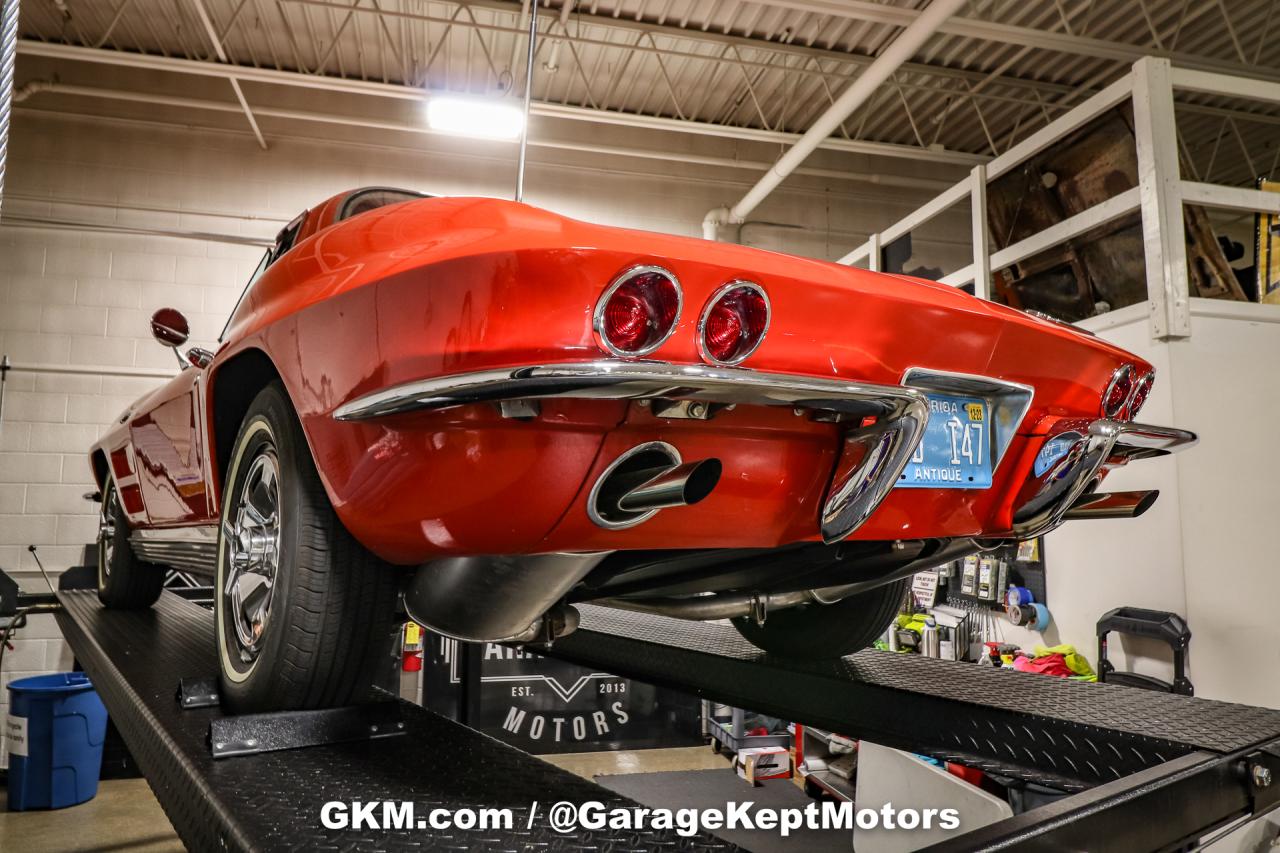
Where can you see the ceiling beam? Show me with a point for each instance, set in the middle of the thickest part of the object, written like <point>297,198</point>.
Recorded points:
<point>882,13</point>
<point>630,24</point>
<point>270,76</point>
<point>854,97</point>
<point>364,122</point>
<point>212,32</point>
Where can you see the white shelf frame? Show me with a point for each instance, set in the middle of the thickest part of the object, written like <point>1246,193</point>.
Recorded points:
<point>1160,195</point>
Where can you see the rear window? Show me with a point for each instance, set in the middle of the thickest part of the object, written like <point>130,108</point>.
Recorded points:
<point>362,201</point>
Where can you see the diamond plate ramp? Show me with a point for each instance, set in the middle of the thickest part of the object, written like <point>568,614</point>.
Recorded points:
<point>272,801</point>
<point>1068,734</point>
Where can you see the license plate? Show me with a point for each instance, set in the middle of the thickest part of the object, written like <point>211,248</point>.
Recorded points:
<point>956,450</point>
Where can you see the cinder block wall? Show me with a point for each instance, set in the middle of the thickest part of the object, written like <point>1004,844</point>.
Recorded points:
<point>74,301</point>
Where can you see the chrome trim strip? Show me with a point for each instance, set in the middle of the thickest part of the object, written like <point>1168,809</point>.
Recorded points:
<point>1149,380</point>
<point>192,549</point>
<point>597,316</point>
<point>1143,441</point>
<point>1008,401</point>
<point>1104,443</point>
<point>204,533</point>
<point>1049,318</point>
<point>1124,370</point>
<point>627,380</point>
<point>706,311</point>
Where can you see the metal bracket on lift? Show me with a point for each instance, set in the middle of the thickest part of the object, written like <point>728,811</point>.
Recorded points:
<point>198,692</point>
<point>248,734</point>
<point>16,605</point>
<point>1262,771</point>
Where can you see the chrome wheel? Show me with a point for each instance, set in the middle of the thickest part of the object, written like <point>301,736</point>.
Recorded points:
<point>253,553</point>
<point>107,533</point>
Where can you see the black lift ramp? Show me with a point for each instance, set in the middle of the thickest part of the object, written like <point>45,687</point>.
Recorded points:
<point>1145,770</point>
<point>1149,771</point>
<point>272,800</point>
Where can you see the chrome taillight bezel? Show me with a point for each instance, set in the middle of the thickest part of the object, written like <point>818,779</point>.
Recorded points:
<point>715,297</point>
<point>597,317</point>
<point>1123,372</point>
<point>1133,405</point>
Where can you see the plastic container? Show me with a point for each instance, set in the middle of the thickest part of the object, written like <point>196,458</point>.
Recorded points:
<point>930,642</point>
<point>54,735</point>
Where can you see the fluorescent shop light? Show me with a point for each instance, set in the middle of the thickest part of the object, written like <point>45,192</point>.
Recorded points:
<point>475,117</point>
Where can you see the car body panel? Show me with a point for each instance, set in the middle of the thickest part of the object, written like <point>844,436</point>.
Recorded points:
<point>451,286</point>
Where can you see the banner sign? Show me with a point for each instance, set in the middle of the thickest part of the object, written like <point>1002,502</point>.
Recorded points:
<point>543,705</point>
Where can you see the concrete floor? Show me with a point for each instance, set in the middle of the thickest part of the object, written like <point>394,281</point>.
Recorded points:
<point>125,817</point>
<point>590,764</point>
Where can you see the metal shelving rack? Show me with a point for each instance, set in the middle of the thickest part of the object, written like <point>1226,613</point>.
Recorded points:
<point>815,742</point>
<point>729,733</point>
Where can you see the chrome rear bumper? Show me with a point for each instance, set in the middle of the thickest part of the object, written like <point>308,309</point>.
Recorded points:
<point>1093,448</point>
<point>609,379</point>
<point>873,456</point>
<point>872,459</point>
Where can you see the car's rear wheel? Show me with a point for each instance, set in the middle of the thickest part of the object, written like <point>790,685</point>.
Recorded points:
<point>825,631</point>
<point>304,612</point>
<point>124,581</point>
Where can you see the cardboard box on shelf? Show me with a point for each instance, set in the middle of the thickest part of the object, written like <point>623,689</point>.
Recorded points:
<point>759,763</point>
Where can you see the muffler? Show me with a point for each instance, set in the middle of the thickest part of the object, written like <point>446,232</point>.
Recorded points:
<point>646,479</point>
<point>498,598</point>
<point>1112,505</point>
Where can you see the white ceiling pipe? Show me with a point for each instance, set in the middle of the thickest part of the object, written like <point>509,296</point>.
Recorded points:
<point>31,87</point>
<point>899,51</point>
<point>553,62</point>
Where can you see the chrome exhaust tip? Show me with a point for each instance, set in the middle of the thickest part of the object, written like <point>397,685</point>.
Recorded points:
<point>1112,505</point>
<point>683,485</point>
<point>648,478</point>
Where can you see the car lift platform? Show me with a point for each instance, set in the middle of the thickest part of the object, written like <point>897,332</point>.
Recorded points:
<point>272,800</point>
<point>1145,770</point>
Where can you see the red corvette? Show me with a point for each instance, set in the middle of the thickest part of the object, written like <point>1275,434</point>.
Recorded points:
<point>501,412</point>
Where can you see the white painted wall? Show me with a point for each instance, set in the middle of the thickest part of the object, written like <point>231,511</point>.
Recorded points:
<point>75,301</point>
<point>1229,489</point>
<point>1206,549</point>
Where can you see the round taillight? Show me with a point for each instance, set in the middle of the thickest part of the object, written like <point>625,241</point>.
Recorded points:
<point>638,311</point>
<point>734,322</point>
<point>1141,390</point>
<point>1117,393</point>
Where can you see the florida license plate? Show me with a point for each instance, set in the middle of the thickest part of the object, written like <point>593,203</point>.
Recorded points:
<point>956,450</point>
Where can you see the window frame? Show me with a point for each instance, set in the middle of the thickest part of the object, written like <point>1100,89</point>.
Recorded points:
<point>285,240</point>
<point>344,210</point>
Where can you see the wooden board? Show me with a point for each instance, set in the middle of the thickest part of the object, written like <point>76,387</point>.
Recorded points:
<point>1105,268</point>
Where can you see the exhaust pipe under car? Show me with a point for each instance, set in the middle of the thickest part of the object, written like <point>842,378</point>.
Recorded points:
<point>726,605</point>
<point>1112,505</point>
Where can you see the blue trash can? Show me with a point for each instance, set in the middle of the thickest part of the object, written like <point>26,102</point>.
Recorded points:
<point>54,737</point>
